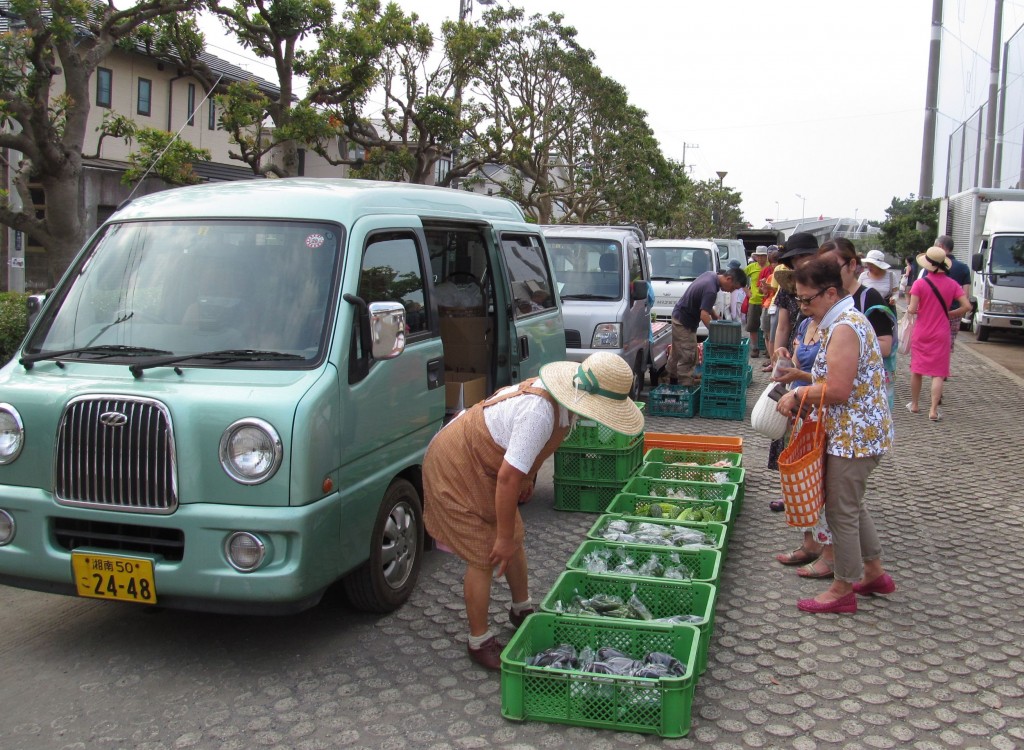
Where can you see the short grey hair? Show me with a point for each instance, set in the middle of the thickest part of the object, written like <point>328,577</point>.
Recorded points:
<point>737,275</point>
<point>945,242</point>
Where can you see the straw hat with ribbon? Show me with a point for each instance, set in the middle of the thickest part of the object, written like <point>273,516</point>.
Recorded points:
<point>597,389</point>
<point>934,259</point>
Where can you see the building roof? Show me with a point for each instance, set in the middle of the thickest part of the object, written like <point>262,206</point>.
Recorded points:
<point>9,21</point>
<point>209,171</point>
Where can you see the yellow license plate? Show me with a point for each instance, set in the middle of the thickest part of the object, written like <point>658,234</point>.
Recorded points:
<point>126,579</point>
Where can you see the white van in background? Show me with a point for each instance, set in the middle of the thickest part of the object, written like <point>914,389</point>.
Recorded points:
<point>674,265</point>
<point>729,250</point>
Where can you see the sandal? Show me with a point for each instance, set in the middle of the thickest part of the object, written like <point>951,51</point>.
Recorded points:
<point>799,556</point>
<point>814,570</point>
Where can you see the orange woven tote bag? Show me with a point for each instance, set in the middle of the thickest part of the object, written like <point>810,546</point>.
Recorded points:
<point>802,469</point>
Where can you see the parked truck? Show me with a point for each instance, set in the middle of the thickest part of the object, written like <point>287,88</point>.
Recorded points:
<point>603,276</point>
<point>751,238</point>
<point>225,402</point>
<point>987,227</point>
<point>674,266</point>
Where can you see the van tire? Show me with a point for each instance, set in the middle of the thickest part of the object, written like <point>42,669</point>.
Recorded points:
<point>385,581</point>
<point>981,332</point>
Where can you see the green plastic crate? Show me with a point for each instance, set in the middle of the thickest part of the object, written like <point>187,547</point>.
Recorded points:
<point>725,332</point>
<point>722,387</point>
<point>735,370</point>
<point>625,504</point>
<point>723,407</point>
<point>669,488</point>
<point>719,532</point>
<point>702,458</point>
<point>626,704</point>
<point>674,400</point>
<point>662,598</point>
<point>584,464</point>
<point>592,497</point>
<point>588,433</point>
<point>680,473</point>
<point>704,564</point>
<point>735,353</point>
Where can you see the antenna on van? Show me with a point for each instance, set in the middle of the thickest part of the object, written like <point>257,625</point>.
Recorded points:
<point>171,142</point>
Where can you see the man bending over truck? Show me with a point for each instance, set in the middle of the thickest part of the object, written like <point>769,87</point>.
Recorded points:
<point>697,304</point>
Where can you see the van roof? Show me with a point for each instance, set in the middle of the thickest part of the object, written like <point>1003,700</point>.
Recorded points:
<point>688,242</point>
<point>316,199</point>
<point>591,230</point>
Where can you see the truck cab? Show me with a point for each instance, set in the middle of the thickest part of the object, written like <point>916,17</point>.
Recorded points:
<point>225,402</point>
<point>674,266</point>
<point>603,280</point>
<point>998,279</point>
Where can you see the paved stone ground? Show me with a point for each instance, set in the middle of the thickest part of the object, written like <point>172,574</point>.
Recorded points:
<point>939,664</point>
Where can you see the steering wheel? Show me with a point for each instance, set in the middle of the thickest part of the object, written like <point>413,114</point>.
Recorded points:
<point>472,277</point>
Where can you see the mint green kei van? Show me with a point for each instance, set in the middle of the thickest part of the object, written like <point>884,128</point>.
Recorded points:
<point>225,403</point>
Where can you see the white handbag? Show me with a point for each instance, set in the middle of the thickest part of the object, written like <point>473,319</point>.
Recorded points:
<point>765,418</point>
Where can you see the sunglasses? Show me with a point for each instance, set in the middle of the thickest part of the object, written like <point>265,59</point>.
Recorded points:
<point>809,300</point>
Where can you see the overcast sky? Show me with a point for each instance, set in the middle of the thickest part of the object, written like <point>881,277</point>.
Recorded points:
<point>814,98</point>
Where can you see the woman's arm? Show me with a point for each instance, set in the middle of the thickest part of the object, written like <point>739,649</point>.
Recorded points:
<point>782,330</point>
<point>912,305</point>
<point>510,488</point>
<point>965,307</point>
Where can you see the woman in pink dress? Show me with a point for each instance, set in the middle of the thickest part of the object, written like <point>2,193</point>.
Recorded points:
<point>930,300</point>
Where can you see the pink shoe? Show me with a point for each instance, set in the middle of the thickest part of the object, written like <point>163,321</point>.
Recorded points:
<point>881,585</point>
<point>847,603</point>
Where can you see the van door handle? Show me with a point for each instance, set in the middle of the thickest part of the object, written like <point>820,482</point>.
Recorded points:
<point>524,348</point>
<point>435,374</point>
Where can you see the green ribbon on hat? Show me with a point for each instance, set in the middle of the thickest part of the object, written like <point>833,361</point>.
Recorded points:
<point>587,381</point>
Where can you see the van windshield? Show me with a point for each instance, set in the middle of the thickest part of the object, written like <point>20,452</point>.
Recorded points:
<point>1007,265</point>
<point>679,263</point>
<point>182,287</point>
<point>586,269</point>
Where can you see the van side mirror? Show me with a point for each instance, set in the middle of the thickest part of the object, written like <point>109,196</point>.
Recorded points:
<point>638,290</point>
<point>387,329</point>
<point>34,303</point>
<point>977,262</point>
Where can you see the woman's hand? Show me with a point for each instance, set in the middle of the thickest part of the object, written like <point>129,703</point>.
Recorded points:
<point>791,375</point>
<point>788,404</point>
<point>501,553</point>
<point>526,493</point>
<point>781,352</point>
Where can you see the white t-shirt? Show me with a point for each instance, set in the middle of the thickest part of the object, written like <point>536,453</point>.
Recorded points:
<point>522,425</point>
<point>883,286</point>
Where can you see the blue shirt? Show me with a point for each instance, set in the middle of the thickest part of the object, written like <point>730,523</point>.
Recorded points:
<point>700,295</point>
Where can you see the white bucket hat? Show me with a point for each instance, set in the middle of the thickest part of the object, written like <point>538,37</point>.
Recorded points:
<point>597,389</point>
<point>876,258</point>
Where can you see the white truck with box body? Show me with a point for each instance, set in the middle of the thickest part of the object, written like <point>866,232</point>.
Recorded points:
<point>603,277</point>
<point>987,227</point>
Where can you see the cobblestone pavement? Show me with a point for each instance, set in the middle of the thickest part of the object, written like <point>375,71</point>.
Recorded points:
<point>939,664</point>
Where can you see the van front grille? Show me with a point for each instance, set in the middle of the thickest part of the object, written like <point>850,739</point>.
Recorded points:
<point>72,534</point>
<point>116,453</point>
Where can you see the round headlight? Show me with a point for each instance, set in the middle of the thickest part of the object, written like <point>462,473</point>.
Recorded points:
<point>12,433</point>
<point>250,451</point>
<point>245,551</point>
<point>6,527</point>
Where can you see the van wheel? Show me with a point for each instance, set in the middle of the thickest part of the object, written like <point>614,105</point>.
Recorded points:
<point>385,581</point>
<point>980,332</point>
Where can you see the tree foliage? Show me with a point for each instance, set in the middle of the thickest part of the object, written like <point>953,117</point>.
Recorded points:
<point>65,41</point>
<point>708,209</point>
<point>910,227</point>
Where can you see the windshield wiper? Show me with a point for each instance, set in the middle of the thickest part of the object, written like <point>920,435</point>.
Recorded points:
<point>104,350</point>
<point>223,355</point>
<point>586,296</point>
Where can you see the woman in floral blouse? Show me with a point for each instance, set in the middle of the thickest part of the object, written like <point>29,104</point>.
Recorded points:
<point>858,429</point>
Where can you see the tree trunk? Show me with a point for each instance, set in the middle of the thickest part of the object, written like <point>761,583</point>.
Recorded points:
<point>65,218</point>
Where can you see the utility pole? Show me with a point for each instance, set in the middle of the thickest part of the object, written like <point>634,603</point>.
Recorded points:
<point>685,146</point>
<point>931,100</point>
<point>993,92</point>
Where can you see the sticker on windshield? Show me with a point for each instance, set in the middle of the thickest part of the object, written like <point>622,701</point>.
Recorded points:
<point>314,241</point>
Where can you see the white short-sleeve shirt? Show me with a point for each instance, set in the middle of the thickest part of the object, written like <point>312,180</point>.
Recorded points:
<point>522,425</point>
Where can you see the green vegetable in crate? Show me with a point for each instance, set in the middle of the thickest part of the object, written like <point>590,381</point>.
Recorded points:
<point>660,510</point>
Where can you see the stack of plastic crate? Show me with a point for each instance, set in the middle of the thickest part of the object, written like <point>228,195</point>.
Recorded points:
<point>723,393</point>
<point>592,465</point>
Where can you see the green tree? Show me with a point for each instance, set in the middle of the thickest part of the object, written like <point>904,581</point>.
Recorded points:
<point>341,68</point>
<point>910,227</point>
<point>46,63</point>
<point>708,209</point>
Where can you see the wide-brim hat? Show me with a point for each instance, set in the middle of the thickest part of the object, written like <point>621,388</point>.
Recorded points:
<point>760,250</point>
<point>933,259</point>
<point>597,389</point>
<point>801,243</point>
<point>876,258</point>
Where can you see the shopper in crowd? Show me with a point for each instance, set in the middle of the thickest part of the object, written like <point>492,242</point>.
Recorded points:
<point>695,306</point>
<point>869,302</point>
<point>878,276</point>
<point>483,464</point>
<point>759,260</point>
<point>858,431</point>
<point>814,555</point>
<point>798,249</point>
<point>764,283</point>
<point>961,274</point>
<point>931,298</point>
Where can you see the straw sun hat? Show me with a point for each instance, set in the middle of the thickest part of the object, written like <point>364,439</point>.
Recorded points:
<point>933,259</point>
<point>598,389</point>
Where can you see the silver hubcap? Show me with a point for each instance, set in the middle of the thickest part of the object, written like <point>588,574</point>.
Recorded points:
<point>398,550</point>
